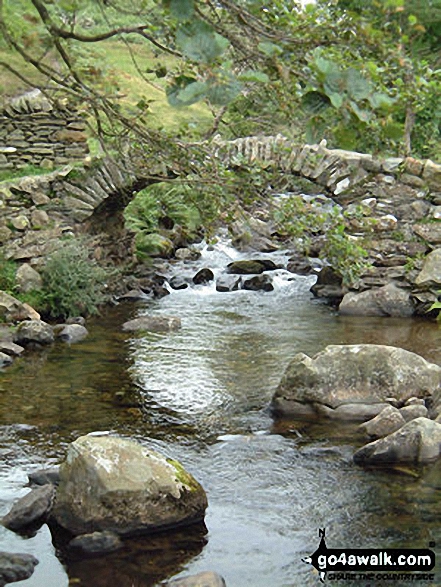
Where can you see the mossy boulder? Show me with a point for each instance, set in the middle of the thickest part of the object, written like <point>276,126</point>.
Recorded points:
<point>110,483</point>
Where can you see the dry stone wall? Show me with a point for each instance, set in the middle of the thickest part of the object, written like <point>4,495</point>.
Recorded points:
<point>35,131</point>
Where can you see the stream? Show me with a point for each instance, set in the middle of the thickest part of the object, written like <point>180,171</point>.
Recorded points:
<point>201,395</point>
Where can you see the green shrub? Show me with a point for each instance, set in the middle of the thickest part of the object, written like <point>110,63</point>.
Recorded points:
<point>73,284</point>
<point>8,270</point>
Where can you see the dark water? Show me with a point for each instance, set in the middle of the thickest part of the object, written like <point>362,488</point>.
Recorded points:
<point>201,395</point>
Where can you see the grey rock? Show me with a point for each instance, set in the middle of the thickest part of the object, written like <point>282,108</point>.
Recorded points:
<point>227,283</point>
<point>71,333</point>
<point>16,567</point>
<point>258,283</point>
<point>203,276</point>
<point>12,310</point>
<point>31,509</point>
<point>153,324</point>
<point>413,411</point>
<point>329,286</point>
<point>95,544</point>
<point>389,300</point>
<point>363,375</point>
<point>387,421</point>
<point>177,282</point>
<point>27,278</point>
<point>251,266</point>
<point>10,348</point>
<point>5,360</point>
<point>417,442</point>
<point>34,331</point>
<point>430,274</point>
<point>50,476</point>
<point>207,579</point>
<point>109,483</point>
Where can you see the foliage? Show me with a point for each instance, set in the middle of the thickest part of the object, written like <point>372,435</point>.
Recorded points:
<point>8,270</point>
<point>73,284</point>
<point>296,218</point>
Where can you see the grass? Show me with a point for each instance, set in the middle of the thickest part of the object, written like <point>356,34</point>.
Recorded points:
<point>118,75</point>
<point>9,174</point>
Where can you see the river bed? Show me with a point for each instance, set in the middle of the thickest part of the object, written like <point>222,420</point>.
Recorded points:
<point>201,395</point>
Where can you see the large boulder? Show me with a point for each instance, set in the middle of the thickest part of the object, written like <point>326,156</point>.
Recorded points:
<point>389,300</point>
<point>109,483</point>
<point>417,442</point>
<point>353,382</point>
<point>16,567</point>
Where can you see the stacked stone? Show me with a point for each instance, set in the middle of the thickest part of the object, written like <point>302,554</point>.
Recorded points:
<point>35,131</point>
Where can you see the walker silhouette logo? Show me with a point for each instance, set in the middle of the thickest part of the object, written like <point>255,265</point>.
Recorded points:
<point>372,564</point>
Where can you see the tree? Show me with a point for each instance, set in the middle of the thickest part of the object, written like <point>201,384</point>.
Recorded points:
<point>355,73</point>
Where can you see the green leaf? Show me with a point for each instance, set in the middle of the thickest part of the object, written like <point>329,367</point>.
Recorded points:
<point>380,100</point>
<point>362,115</point>
<point>346,138</point>
<point>192,93</point>
<point>252,75</point>
<point>335,83</point>
<point>315,102</point>
<point>336,100</point>
<point>222,93</point>
<point>182,9</point>
<point>358,87</point>
<point>326,66</point>
<point>173,91</point>
<point>269,49</point>
<point>199,42</point>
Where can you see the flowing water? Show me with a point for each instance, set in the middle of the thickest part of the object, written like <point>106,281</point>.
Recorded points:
<point>201,395</point>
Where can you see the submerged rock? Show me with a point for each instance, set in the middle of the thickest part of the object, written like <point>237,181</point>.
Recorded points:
<point>95,544</point>
<point>353,382</point>
<point>152,324</point>
<point>207,579</point>
<point>16,567</point>
<point>417,442</point>
<point>109,483</point>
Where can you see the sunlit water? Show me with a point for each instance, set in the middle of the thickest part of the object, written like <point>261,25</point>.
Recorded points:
<point>201,395</point>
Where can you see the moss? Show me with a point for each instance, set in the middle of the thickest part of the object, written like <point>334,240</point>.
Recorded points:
<point>184,477</point>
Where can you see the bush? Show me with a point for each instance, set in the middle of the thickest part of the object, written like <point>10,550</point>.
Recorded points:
<point>73,284</point>
<point>8,270</point>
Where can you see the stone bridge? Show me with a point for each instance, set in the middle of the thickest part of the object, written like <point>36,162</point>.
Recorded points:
<point>36,210</point>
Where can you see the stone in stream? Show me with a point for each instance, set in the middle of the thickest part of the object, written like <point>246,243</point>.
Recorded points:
<point>386,422</point>
<point>109,483</point>
<point>258,283</point>
<point>203,276</point>
<point>354,382</point>
<point>49,476</point>
<point>178,282</point>
<point>207,579</point>
<point>16,567</point>
<point>417,442</point>
<point>152,324</point>
<point>227,283</point>
<point>70,333</point>
<point>30,510</point>
<point>34,331</point>
<point>95,544</point>
<point>251,266</point>
<point>388,300</point>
